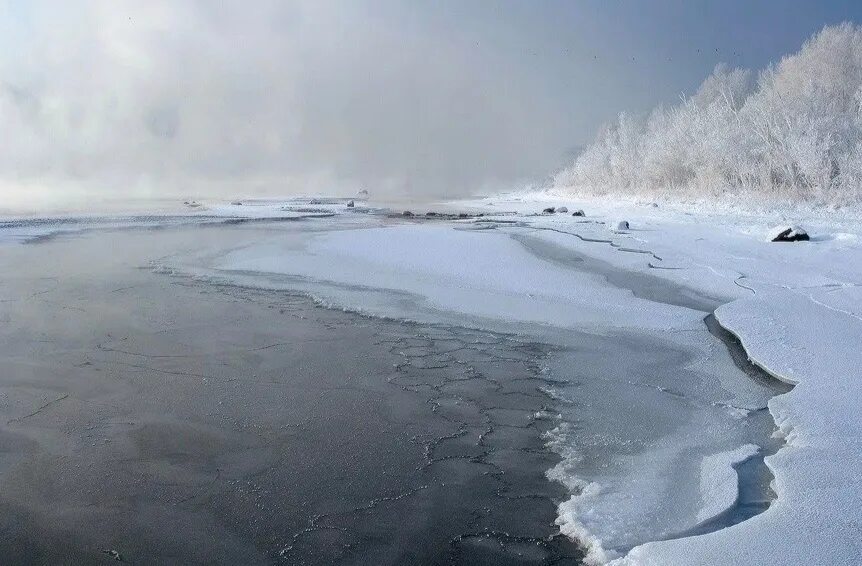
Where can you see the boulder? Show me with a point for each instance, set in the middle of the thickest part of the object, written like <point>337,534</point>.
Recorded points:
<point>578,212</point>
<point>236,203</point>
<point>549,210</point>
<point>350,204</point>
<point>430,214</point>
<point>788,234</point>
<point>621,225</point>
<point>406,213</point>
<point>562,209</point>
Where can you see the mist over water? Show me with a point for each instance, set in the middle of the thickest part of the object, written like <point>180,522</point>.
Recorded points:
<point>202,99</point>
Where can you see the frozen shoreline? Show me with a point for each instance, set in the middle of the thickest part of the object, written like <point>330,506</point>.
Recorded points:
<point>796,309</point>
<point>776,298</point>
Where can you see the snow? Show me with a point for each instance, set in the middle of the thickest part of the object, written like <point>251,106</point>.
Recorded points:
<point>494,277</point>
<point>797,309</point>
<point>718,480</point>
<point>718,486</point>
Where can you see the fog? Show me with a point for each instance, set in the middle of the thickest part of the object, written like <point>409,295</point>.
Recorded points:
<point>405,99</point>
<point>155,99</point>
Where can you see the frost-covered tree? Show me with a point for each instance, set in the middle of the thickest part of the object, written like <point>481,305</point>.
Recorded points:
<point>795,132</point>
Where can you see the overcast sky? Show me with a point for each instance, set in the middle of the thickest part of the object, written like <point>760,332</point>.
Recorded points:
<point>125,98</point>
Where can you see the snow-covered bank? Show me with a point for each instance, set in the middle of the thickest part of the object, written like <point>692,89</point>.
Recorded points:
<point>797,309</point>
<point>810,337</point>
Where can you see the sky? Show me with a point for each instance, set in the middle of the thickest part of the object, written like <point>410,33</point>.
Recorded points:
<point>130,99</point>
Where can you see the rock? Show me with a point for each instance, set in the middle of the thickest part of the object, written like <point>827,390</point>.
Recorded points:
<point>236,203</point>
<point>406,213</point>
<point>788,234</point>
<point>654,205</point>
<point>463,215</point>
<point>549,210</point>
<point>578,212</point>
<point>350,204</point>
<point>622,225</point>
<point>562,209</point>
<point>430,214</point>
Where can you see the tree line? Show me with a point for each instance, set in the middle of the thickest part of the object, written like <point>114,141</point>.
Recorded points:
<point>794,131</point>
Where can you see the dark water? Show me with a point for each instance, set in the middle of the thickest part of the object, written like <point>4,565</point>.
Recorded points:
<point>162,420</point>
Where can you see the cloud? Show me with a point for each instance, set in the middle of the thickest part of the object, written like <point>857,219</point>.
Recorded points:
<point>234,98</point>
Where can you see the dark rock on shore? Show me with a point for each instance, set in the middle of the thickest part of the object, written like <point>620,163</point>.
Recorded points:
<point>788,234</point>
<point>578,212</point>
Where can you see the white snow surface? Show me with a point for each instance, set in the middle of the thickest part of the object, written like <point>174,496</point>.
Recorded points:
<point>472,272</point>
<point>718,480</point>
<point>797,309</point>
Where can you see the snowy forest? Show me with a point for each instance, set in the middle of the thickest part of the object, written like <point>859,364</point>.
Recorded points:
<point>792,133</point>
